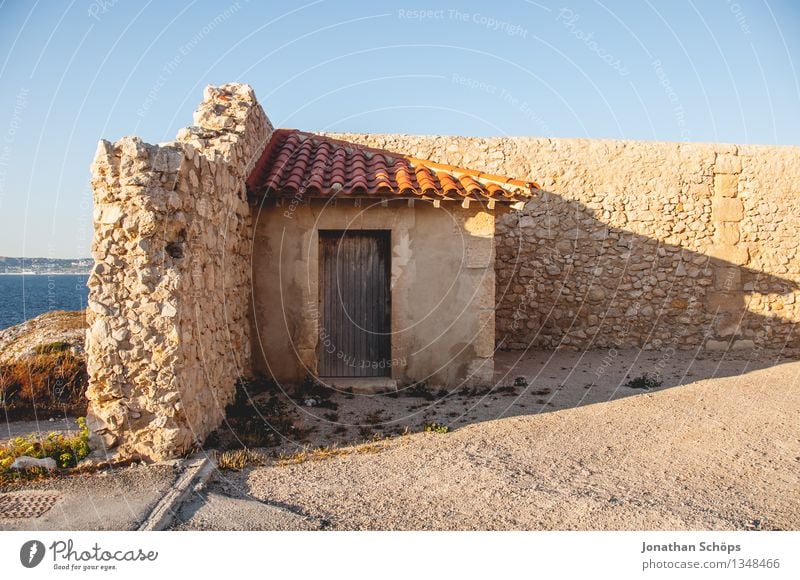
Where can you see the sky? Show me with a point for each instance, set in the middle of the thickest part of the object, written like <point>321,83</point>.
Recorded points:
<point>75,72</point>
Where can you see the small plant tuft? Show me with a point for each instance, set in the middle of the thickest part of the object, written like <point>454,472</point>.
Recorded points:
<point>436,428</point>
<point>52,347</point>
<point>520,382</point>
<point>645,382</point>
<point>420,390</point>
<point>238,459</point>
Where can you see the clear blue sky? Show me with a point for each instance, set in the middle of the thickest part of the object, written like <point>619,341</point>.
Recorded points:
<point>75,72</point>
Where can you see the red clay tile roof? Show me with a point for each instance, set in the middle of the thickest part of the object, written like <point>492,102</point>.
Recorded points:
<point>315,165</point>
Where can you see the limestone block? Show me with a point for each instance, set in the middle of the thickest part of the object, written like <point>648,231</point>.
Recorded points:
<point>737,255</point>
<point>726,209</point>
<point>726,233</point>
<point>717,345</point>
<point>726,185</point>
<point>480,253</point>
<point>728,324</point>
<point>107,214</point>
<point>725,302</point>
<point>727,278</point>
<point>480,373</point>
<point>727,163</point>
<point>25,462</point>
<point>485,297</point>
<point>484,338</point>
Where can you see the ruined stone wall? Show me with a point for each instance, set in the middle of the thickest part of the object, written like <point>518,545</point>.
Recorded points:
<point>169,295</point>
<point>640,244</point>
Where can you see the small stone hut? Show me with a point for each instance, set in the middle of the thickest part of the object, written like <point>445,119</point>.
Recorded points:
<point>371,268</point>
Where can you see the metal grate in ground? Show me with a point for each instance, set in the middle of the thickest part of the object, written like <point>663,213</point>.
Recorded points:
<point>26,504</point>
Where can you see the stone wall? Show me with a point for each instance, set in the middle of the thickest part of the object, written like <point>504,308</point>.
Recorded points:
<point>639,244</point>
<point>169,295</point>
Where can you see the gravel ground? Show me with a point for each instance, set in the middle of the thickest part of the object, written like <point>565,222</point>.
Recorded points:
<point>718,453</point>
<point>222,506</point>
<point>555,381</point>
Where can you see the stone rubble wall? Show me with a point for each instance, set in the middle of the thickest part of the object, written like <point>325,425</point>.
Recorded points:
<point>169,295</point>
<point>638,244</point>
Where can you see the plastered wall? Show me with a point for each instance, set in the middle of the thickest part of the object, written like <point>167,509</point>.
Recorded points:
<point>442,288</point>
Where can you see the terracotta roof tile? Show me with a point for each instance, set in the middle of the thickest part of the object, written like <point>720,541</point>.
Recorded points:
<point>294,161</point>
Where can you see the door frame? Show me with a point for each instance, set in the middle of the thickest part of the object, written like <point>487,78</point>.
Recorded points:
<point>338,233</point>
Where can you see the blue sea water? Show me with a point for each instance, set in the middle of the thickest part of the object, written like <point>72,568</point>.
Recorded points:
<point>25,297</point>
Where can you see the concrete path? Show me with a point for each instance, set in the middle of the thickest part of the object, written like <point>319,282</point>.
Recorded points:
<point>41,428</point>
<point>113,499</point>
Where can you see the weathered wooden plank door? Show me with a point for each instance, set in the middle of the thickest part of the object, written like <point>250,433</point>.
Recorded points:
<point>355,323</point>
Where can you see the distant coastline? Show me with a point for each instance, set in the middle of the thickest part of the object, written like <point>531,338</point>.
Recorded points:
<point>45,266</point>
<point>40,274</point>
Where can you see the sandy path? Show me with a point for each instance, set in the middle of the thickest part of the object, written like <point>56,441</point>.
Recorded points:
<point>720,453</point>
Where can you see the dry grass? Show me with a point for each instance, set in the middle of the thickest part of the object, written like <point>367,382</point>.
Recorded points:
<point>331,451</point>
<point>238,459</point>
<point>50,383</point>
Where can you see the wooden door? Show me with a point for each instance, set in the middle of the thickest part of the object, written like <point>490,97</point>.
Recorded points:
<point>355,326</point>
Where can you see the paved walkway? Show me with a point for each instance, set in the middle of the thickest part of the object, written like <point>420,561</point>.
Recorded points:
<point>113,499</point>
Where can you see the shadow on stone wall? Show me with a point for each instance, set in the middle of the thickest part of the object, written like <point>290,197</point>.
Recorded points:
<point>568,280</point>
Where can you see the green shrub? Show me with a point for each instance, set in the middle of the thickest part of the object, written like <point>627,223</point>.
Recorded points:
<point>67,450</point>
<point>436,428</point>
<point>52,347</point>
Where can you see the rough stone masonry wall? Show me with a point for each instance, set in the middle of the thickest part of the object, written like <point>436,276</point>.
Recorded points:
<point>641,244</point>
<point>169,295</point>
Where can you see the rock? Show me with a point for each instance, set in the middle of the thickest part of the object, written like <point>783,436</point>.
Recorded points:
<point>726,209</point>
<point>168,310</point>
<point>553,270</point>
<point>727,163</point>
<point>596,294</point>
<point>25,462</point>
<point>57,327</point>
<point>717,345</point>
<point>726,185</point>
<point>743,344</point>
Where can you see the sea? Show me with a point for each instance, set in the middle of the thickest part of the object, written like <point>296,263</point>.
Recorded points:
<point>23,297</point>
